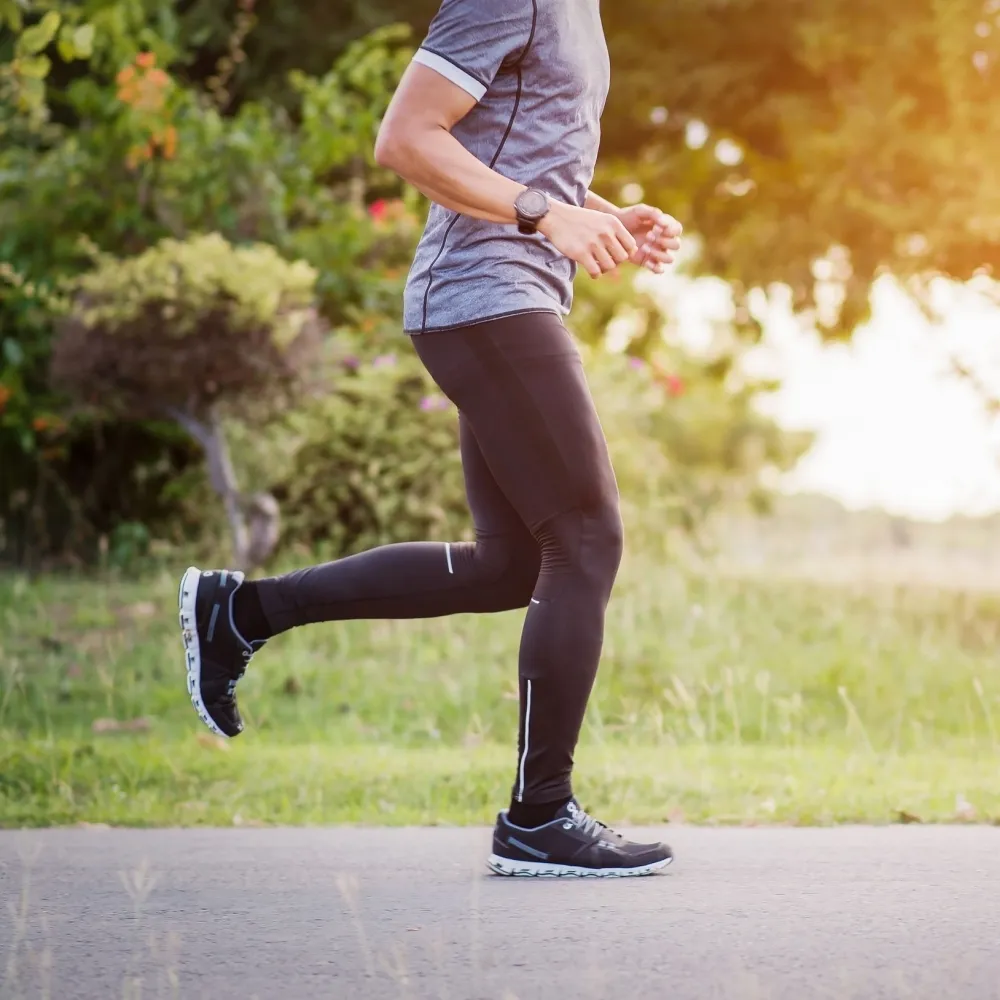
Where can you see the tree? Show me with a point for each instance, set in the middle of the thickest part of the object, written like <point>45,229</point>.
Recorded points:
<point>304,38</point>
<point>867,129</point>
<point>162,136</point>
<point>193,332</point>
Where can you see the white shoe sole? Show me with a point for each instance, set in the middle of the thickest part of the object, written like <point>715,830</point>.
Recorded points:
<point>541,869</point>
<point>187,597</point>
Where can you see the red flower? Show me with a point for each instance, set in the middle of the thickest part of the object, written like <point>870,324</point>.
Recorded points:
<point>147,60</point>
<point>378,209</point>
<point>671,383</point>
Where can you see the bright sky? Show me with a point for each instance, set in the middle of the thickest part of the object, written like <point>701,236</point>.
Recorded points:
<point>894,428</point>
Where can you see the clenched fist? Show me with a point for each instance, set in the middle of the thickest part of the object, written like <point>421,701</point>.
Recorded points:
<point>658,236</point>
<point>598,242</point>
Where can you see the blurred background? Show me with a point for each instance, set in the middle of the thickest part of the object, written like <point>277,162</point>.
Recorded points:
<point>201,271</point>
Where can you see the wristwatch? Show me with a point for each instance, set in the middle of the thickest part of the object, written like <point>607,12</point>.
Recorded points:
<point>530,207</point>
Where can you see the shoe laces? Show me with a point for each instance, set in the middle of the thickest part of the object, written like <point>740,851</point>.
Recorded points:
<point>584,821</point>
<point>248,652</point>
<point>247,655</point>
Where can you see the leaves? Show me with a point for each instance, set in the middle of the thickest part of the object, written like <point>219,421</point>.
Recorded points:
<point>34,68</point>
<point>10,13</point>
<point>867,127</point>
<point>187,325</point>
<point>76,42</point>
<point>12,352</point>
<point>30,68</point>
<point>38,37</point>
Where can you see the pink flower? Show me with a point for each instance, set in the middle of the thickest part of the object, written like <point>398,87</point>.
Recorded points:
<point>431,404</point>
<point>675,385</point>
<point>378,209</point>
<point>637,363</point>
<point>384,361</point>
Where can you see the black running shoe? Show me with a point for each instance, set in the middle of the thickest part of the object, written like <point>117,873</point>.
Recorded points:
<point>573,845</point>
<point>217,655</point>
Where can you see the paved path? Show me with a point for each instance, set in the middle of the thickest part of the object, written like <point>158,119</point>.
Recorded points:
<point>907,912</point>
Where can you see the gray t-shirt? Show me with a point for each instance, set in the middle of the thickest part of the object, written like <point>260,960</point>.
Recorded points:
<point>541,73</point>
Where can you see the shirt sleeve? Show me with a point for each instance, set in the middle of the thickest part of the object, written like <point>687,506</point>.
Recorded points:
<point>469,40</point>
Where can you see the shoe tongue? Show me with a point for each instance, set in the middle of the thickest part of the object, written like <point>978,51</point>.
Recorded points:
<point>570,811</point>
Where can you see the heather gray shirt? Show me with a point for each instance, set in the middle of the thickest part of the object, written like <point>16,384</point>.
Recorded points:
<point>540,72</point>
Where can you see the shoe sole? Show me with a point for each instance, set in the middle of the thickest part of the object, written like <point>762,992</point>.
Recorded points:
<point>187,598</point>
<point>540,869</point>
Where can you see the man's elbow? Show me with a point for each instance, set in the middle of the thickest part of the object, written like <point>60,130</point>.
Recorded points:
<point>393,146</point>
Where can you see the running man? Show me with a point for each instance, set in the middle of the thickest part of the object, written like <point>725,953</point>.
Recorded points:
<point>497,122</point>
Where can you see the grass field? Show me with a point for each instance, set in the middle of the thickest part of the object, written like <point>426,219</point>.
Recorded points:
<point>720,700</point>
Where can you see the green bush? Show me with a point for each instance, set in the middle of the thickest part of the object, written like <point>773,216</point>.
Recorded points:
<point>374,462</point>
<point>185,326</point>
<point>682,445</point>
<point>84,484</point>
<point>77,183</point>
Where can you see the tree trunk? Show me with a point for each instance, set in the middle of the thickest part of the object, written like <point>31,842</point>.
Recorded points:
<point>223,479</point>
<point>212,438</point>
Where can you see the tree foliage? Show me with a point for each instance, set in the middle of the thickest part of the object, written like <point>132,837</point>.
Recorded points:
<point>189,326</point>
<point>866,128</point>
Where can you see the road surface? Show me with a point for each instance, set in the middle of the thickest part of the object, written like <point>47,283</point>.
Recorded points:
<point>898,912</point>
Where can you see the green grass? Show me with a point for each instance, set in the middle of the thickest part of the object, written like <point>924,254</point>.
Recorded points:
<point>184,783</point>
<point>719,701</point>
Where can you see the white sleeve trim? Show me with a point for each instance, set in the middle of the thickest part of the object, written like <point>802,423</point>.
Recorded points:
<point>451,72</point>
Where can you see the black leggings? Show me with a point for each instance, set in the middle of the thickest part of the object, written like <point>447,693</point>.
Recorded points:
<point>548,532</point>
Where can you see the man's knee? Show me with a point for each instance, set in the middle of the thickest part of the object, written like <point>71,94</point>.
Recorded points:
<point>512,566</point>
<point>584,543</point>
<point>604,527</point>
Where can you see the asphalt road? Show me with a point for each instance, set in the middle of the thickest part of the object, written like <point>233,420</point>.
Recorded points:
<point>907,912</point>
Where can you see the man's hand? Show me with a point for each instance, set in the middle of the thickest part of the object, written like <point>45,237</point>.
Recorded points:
<point>598,242</point>
<point>657,235</point>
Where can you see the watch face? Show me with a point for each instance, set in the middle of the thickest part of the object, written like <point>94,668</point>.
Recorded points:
<point>532,204</point>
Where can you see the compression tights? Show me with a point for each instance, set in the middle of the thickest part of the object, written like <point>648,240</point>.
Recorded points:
<point>548,533</point>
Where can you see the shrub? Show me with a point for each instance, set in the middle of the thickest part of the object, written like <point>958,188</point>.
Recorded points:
<point>120,172</point>
<point>375,462</point>
<point>193,331</point>
<point>187,326</point>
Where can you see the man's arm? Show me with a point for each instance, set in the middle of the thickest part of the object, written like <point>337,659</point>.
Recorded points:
<point>598,204</point>
<point>415,141</point>
<point>467,45</point>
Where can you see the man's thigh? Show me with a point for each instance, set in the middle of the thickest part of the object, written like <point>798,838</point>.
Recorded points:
<point>493,515</point>
<point>520,385</point>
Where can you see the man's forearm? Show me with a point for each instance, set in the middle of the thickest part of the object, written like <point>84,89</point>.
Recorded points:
<point>442,169</point>
<point>598,204</point>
